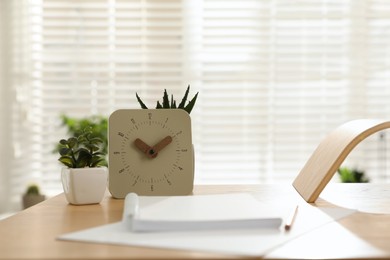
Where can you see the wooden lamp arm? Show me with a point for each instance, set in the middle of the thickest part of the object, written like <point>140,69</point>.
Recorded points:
<point>331,153</point>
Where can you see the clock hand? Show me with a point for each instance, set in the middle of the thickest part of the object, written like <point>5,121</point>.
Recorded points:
<point>152,152</point>
<point>142,146</point>
<point>146,149</point>
<point>161,145</point>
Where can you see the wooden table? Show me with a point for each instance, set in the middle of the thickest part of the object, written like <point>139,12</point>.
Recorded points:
<point>31,234</point>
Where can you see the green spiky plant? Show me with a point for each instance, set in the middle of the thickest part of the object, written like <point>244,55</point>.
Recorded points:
<point>167,104</point>
<point>348,175</point>
<point>83,150</point>
<point>33,189</point>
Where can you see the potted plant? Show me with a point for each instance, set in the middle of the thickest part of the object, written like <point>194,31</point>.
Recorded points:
<point>75,126</point>
<point>32,196</point>
<point>84,179</point>
<point>348,175</point>
<point>166,104</point>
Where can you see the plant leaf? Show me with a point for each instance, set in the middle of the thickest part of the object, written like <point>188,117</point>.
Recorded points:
<point>95,140</point>
<point>81,139</point>
<point>65,151</point>
<point>100,154</point>
<point>97,161</point>
<point>165,100</point>
<point>63,142</point>
<point>67,161</point>
<point>183,101</point>
<point>81,163</point>
<point>72,141</point>
<point>81,150</point>
<point>92,147</point>
<point>191,104</point>
<point>140,101</point>
<point>83,159</point>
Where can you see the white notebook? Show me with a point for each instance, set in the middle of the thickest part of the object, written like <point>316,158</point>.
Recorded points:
<point>198,212</point>
<point>241,241</point>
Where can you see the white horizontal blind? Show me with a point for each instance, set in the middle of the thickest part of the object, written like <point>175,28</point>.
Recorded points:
<point>281,75</point>
<point>274,78</point>
<point>3,120</point>
<point>276,74</point>
<point>373,21</point>
<point>21,146</point>
<point>87,58</point>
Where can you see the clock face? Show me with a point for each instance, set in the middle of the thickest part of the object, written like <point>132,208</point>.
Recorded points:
<point>150,152</point>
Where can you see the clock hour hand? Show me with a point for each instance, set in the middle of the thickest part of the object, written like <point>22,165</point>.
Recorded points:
<point>142,146</point>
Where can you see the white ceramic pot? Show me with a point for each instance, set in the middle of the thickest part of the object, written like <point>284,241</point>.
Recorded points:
<point>84,185</point>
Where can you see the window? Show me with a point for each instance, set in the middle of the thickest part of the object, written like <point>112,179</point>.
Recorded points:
<point>274,78</point>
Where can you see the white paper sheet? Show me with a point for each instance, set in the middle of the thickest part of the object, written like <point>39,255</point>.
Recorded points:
<point>247,242</point>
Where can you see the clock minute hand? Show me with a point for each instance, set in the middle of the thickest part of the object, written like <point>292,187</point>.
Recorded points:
<point>160,145</point>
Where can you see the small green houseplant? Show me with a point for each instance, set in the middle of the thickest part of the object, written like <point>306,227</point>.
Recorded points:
<point>84,177</point>
<point>32,196</point>
<point>82,151</point>
<point>348,175</point>
<point>170,103</point>
<point>33,189</point>
<point>75,126</point>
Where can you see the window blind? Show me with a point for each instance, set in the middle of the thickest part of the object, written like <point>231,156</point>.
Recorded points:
<point>3,191</point>
<point>274,78</point>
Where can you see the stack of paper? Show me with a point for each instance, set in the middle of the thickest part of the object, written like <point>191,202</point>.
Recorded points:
<point>180,217</point>
<point>203,212</point>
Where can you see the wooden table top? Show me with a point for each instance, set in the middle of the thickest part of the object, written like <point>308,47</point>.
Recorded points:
<point>31,234</point>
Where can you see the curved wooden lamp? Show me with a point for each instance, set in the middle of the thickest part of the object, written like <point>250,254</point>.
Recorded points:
<point>330,154</point>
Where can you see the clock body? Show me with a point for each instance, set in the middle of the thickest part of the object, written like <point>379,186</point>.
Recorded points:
<point>150,152</point>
